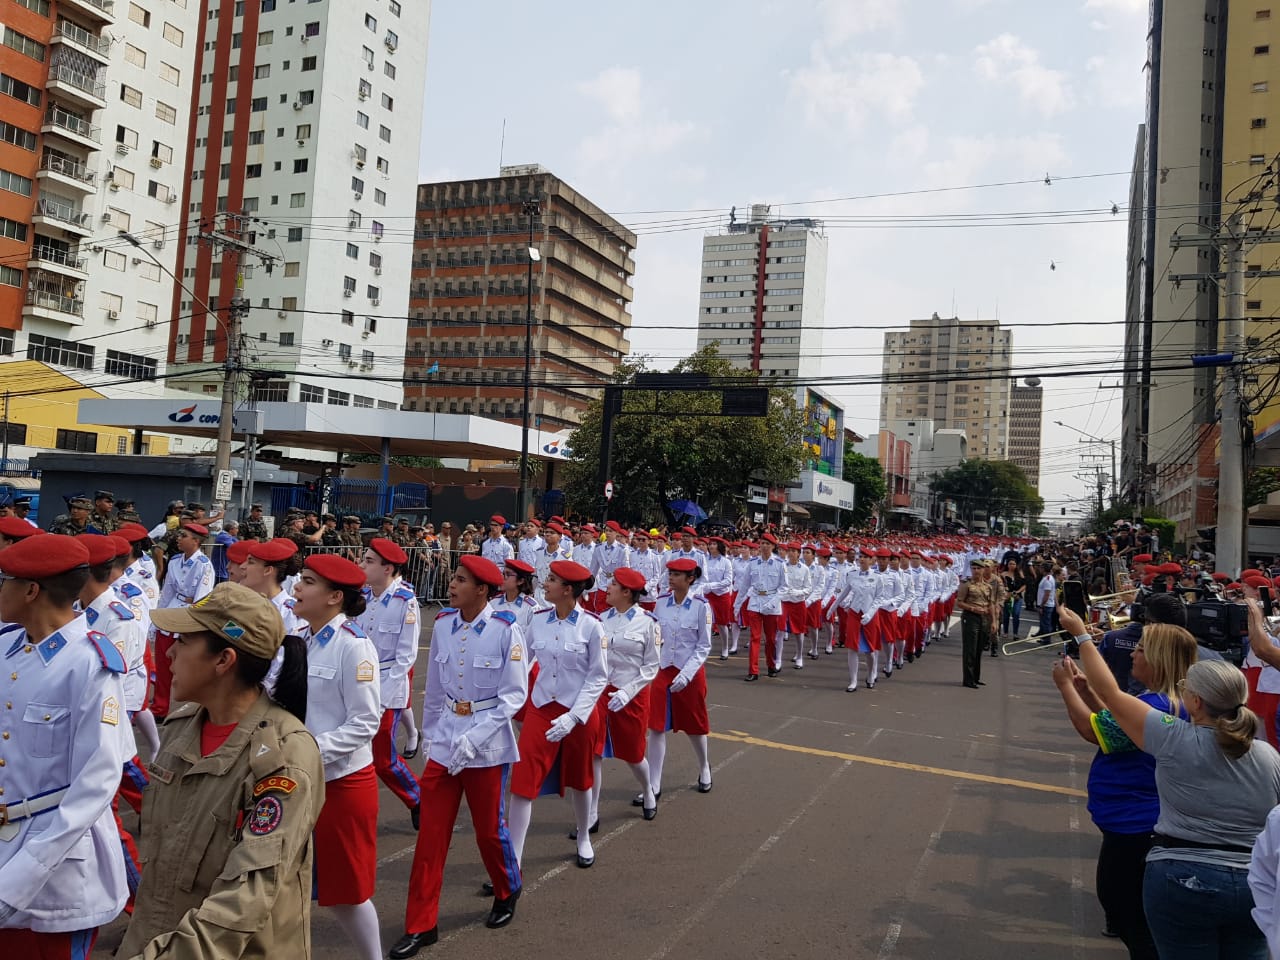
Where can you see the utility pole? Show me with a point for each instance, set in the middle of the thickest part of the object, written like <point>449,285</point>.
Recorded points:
<point>532,255</point>
<point>1230,541</point>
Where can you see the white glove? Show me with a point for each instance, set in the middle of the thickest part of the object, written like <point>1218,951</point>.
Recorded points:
<point>560,727</point>
<point>619,700</point>
<point>679,683</point>
<point>463,754</point>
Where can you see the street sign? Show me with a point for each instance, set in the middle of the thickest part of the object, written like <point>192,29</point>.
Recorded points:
<point>608,490</point>
<point>222,482</point>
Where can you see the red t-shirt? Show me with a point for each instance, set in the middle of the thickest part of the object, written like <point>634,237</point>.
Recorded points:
<point>213,735</point>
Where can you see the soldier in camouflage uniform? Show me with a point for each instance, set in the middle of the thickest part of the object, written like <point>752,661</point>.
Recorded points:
<point>350,537</point>
<point>329,536</point>
<point>102,519</point>
<point>293,531</point>
<point>386,528</point>
<point>127,512</point>
<point>254,528</point>
<point>401,536</point>
<point>77,521</point>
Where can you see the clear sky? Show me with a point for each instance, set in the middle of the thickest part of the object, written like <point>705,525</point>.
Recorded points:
<point>691,108</point>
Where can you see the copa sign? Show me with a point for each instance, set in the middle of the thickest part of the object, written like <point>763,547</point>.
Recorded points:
<point>189,415</point>
<point>558,448</point>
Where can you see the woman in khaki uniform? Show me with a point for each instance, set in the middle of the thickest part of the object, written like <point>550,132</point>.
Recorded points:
<point>235,793</point>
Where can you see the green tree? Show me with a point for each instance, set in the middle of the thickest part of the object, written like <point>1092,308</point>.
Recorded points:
<point>1260,484</point>
<point>869,487</point>
<point>987,488</point>
<point>678,454</point>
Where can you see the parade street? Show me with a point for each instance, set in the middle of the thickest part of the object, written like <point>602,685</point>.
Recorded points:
<point>916,819</point>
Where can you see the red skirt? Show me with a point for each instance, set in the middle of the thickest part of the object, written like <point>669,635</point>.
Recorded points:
<point>623,732</point>
<point>684,712</point>
<point>346,838</point>
<point>873,629</point>
<point>795,616</point>
<point>524,707</point>
<point>813,615</point>
<point>721,608</point>
<point>538,755</point>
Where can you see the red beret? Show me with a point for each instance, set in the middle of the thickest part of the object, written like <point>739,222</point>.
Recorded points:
<point>339,571</point>
<point>629,579</point>
<point>791,545</point>
<point>824,551</point>
<point>589,528</point>
<point>133,532</point>
<point>36,558</point>
<point>1142,558</point>
<point>536,523</point>
<point>615,526</point>
<point>273,551</point>
<point>16,529</point>
<point>769,538</point>
<point>104,549</point>
<point>659,537</point>
<point>482,568</point>
<point>388,550</point>
<point>683,565</point>
<point>519,566</point>
<point>570,571</point>
<point>557,519</point>
<point>557,528</point>
<point>498,519</point>
<point>199,528</point>
<point>238,552</point>
<point>1233,586</point>
<point>689,530</point>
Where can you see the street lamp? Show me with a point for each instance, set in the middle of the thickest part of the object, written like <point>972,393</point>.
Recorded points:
<point>1115,496</point>
<point>534,257</point>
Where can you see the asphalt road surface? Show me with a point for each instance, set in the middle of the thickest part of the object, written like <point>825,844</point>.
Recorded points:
<point>919,819</point>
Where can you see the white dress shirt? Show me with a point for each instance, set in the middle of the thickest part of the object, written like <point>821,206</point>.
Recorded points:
<point>529,547</point>
<point>187,580</point>
<point>686,633</point>
<point>796,582</point>
<point>606,558</point>
<point>717,576</point>
<point>761,587</point>
<point>633,649</point>
<point>497,549</point>
<point>128,633</point>
<point>572,670</point>
<point>652,566</point>
<point>344,706</point>
<point>390,620</point>
<point>522,607</point>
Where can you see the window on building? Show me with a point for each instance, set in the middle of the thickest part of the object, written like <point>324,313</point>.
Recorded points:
<point>306,97</point>
<point>62,353</point>
<point>10,276</point>
<point>258,104</point>
<point>384,133</point>
<point>310,394</point>
<point>130,95</point>
<point>172,34</point>
<point>371,22</point>
<point>388,102</point>
<point>130,365</point>
<point>362,120</point>
<point>17,136</point>
<point>139,16</point>
<point>14,183</point>
<point>389,69</point>
<point>257,137</point>
<point>13,87</point>
<point>312,29</point>
<point>286,338</point>
<point>1258,123</point>
<point>81,441</point>
<point>300,165</point>
<point>297,200</point>
<point>135,55</point>
<point>353,251</point>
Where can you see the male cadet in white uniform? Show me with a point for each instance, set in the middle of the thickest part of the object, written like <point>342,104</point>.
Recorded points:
<point>837,576</point>
<point>890,595</point>
<point>554,550</point>
<point>761,595</point>
<point>687,551</point>
<point>606,558</point>
<point>858,598</point>
<point>496,547</point>
<point>530,543</point>
<point>189,578</point>
<point>61,870</point>
<point>818,559</point>
<point>648,563</point>
<point>476,683</point>
<point>584,549</point>
<point>390,620</point>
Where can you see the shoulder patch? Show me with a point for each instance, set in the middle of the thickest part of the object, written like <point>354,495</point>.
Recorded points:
<point>365,671</point>
<point>107,652</point>
<point>593,616</point>
<point>700,598</point>
<point>111,711</point>
<point>267,814</point>
<point>404,592</point>
<point>202,558</point>
<point>446,612</point>
<point>120,610</point>
<point>506,616</point>
<point>544,609</point>
<point>517,652</point>
<point>274,784</point>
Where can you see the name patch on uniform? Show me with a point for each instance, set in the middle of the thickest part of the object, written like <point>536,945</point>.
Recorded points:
<point>266,816</point>
<point>364,671</point>
<point>517,652</point>
<point>111,711</point>
<point>273,785</point>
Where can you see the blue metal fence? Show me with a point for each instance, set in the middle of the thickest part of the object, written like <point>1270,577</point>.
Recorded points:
<point>367,499</point>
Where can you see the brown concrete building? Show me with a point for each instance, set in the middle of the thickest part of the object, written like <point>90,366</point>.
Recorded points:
<point>1026,411</point>
<point>468,298</point>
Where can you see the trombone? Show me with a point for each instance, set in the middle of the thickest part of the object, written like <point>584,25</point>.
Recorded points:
<point>1015,648</point>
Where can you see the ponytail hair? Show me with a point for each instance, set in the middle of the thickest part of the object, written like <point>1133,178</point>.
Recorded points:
<point>291,684</point>
<point>579,587</point>
<point>1222,689</point>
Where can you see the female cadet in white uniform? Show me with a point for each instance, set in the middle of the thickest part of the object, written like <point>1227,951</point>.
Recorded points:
<point>717,587</point>
<point>343,711</point>
<point>516,593</point>
<point>678,696</point>
<point>561,722</point>
<point>632,635</point>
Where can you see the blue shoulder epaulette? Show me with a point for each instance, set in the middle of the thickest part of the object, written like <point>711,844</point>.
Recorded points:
<point>446,612</point>
<point>120,610</point>
<point>506,616</point>
<point>107,652</point>
<point>405,592</point>
<point>353,628</point>
<point>130,589</point>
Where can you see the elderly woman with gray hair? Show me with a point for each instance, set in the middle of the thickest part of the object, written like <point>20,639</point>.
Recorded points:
<point>1217,780</point>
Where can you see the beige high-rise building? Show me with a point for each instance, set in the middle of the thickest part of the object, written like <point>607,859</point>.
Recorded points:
<point>1026,411</point>
<point>925,372</point>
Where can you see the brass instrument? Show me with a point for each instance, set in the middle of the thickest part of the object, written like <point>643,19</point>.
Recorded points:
<point>1015,648</point>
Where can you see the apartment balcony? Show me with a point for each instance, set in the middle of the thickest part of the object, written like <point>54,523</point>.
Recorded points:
<point>66,171</point>
<point>84,41</point>
<point>81,88</point>
<point>69,127</point>
<point>55,260</point>
<point>60,215</point>
<point>99,11</point>
<point>50,299</point>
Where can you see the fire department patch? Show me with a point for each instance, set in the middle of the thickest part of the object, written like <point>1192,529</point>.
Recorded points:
<point>266,816</point>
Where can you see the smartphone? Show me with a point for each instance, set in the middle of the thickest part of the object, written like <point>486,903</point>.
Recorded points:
<point>1264,597</point>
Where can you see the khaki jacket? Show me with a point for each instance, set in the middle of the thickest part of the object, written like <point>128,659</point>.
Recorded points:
<point>226,842</point>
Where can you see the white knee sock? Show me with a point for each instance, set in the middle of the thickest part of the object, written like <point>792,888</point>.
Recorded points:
<point>855,661</point>
<point>518,818</point>
<point>735,632</point>
<point>875,666</point>
<point>145,721</point>
<point>597,768</point>
<point>360,923</point>
<point>701,753</point>
<point>581,802</point>
<point>641,772</point>
<point>657,754</point>
<point>899,649</point>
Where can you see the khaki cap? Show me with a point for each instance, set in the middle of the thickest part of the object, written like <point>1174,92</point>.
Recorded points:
<point>249,622</point>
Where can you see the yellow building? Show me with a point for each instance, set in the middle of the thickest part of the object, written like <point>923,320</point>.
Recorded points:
<point>38,410</point>
<point>1250,143</point>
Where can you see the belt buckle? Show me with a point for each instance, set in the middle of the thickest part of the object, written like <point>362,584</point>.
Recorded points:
<point>462,708</point>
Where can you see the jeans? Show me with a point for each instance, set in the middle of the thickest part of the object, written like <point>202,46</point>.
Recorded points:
<point>1200,911</point>
<point>1011,616</point>
<point>1048,620</point>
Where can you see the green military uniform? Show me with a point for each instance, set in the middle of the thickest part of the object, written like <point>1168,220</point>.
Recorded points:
<point>253,528</point>
<point>102,519</point>
<point>76,522</point>
<point>976,600</point>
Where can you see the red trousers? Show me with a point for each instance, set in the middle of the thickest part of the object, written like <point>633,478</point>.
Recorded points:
<point>485,789</point>
<point>392,770</point>
<point>30,945</point>
<point>1264,705</point>
<point>758,623</point>
<point>164,675</point>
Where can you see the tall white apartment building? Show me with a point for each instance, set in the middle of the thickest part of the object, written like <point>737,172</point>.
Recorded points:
<point>305,142</point>
<point>763,294</point>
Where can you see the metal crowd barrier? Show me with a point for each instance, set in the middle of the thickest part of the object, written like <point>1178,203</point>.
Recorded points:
<point>428,570</point>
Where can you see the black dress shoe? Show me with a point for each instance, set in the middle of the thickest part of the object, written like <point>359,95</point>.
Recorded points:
<point>638,801</point>
<point>487,888</point>
<point>751,676</point>
<point>772,672</point>
<point>650,812</point>
<point>595,828</point>
<point>411,943</point>
<point>415,816</point>
<point>585,862</point>
<point>410,754</point>
<point>972,686</point>
<point>724,656</point>
<point>982,683</point>
<point>704,787</point>
<point>502,912</point>
<point>911,658</point>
